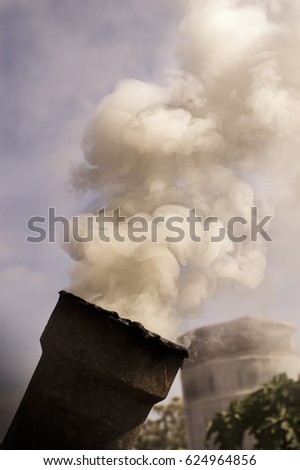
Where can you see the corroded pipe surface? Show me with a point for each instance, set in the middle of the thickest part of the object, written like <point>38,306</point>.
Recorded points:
<point>96,382</point>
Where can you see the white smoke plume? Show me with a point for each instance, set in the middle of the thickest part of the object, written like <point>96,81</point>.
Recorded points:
<point>214,139</point>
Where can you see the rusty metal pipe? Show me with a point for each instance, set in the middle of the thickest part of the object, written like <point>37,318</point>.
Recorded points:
<point>96,382</point>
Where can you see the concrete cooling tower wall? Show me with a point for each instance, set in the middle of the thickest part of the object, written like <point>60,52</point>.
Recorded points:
<point>230,360</point>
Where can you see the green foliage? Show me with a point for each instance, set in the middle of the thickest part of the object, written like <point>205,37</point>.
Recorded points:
<point>271,415</point>
<point>168,431</point>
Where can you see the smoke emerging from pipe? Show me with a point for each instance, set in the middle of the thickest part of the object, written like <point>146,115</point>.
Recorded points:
<point>213,139</point>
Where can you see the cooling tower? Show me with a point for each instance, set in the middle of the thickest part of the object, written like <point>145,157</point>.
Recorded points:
<point>96,382</point>
<point>230,360</point>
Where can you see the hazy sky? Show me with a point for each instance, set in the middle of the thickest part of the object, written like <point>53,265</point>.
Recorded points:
<point>58,58</point>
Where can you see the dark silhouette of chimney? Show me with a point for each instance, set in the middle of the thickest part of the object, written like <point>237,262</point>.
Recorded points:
<point>98,378</point>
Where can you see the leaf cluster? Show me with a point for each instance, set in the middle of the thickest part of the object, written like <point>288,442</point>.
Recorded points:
<point>271,415</point>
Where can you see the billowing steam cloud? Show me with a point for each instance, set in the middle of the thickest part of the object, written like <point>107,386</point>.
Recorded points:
<point>230,115</point>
